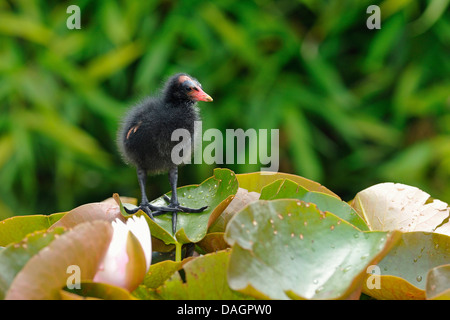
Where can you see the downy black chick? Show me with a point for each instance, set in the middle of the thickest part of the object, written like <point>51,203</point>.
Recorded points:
<point>144,137</point>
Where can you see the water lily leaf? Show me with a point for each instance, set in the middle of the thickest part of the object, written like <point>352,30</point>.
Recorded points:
<point>395,206</point>
<point>289,248</point>
<point>144,293</point>
<point>213,242</point>
<point>242,198</point>
<point>113,200</point>
<point>205,279</point>
<point>216,192</point>
<point>66,295</point>
<point>282,189</point>
<point>258,180</point>
<point>156,276</point>
<point>94,291</point>
<point>271,188</point>
<point>122,203</point>
<point>161,271</point>
<point>107,211</point>
<point>393,288</point>
<point>45,274</point>
<point>14,257</point>
<point>16,228</point>
<point>287,189</point>
<point>404,269</point>
<point>438,283</point>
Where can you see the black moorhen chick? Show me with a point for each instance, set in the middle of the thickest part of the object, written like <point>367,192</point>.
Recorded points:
<point>144,138</point>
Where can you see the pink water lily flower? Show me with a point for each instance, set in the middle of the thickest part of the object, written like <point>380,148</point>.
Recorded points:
<point>129,254</point>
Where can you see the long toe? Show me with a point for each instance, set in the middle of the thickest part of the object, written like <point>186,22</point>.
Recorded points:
<point>163,208</point>
<point>148,212</point>
<point>132,211</point>
<point>158,213</point>
<point>143,207</point>
<point>182,208</point>
<point>192,210</point>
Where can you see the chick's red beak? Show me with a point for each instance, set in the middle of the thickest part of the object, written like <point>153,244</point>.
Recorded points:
<point>200,95</point>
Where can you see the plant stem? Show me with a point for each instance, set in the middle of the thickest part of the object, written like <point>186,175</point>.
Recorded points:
<point>178,251</point>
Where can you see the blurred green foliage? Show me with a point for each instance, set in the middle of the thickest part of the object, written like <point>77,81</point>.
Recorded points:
<point>354,106</point>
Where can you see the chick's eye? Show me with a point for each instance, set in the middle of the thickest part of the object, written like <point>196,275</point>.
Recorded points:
<point>191,88</point>
<point>189,85</point>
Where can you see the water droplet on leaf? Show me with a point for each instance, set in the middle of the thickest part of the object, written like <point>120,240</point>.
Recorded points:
<point>319,289</point>
<point>347,268</point>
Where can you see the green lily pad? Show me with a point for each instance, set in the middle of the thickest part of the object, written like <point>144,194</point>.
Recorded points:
<point>288,248</point>
<point>156,276</point>
<point>287,189</point>
<point>404,269</point>
<point>161,271</point>
<point>16,228</point>
<point>216,192</point>
<point>14,257</point>
<point>251,185</point>
<point>45,274</point>
<point>258,180</point>
<point>205,279</point>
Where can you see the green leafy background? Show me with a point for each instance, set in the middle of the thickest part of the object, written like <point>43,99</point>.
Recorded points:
<point>354,106</point>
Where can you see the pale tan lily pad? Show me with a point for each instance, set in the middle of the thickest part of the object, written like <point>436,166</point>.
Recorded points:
<point>438,283</point>
<point>425,242</point>
<point>15,256</point>
<point>46,273</point>
<point>395,206</point>
<point>106,211</point>
<point>242,198</point>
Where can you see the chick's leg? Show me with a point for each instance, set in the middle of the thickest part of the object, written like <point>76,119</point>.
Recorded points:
<point>144,206</point>
<point>174,206</point>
